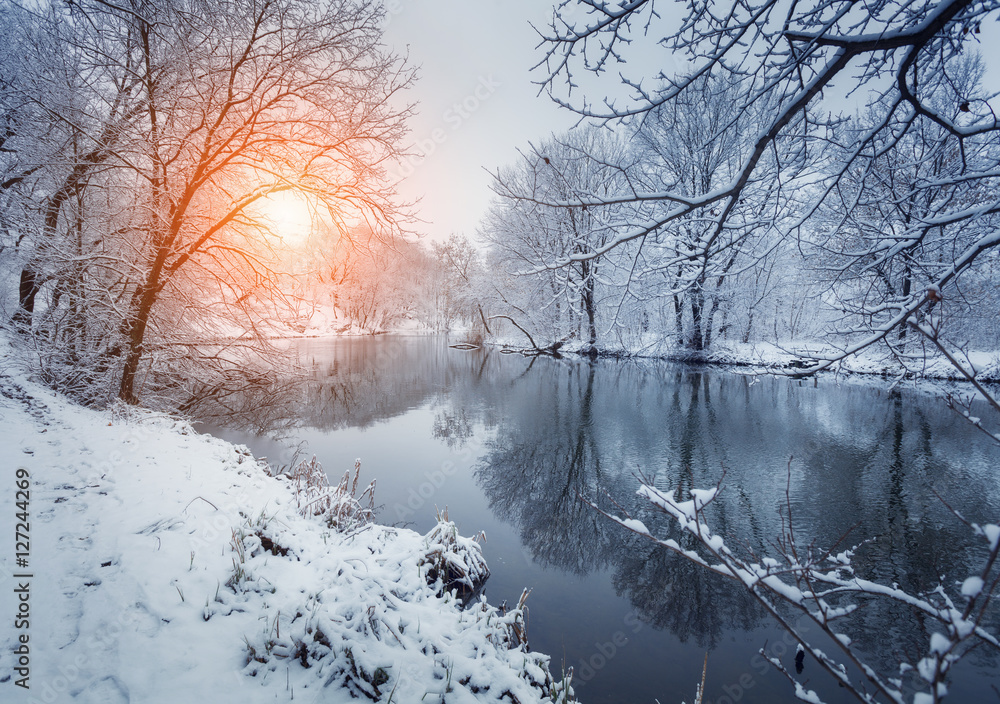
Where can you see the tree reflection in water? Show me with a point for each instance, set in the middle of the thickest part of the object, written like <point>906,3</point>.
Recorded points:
<point>534,475</point>
<point>850,459</point>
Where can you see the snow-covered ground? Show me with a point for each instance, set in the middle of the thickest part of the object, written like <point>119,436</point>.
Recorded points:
<point>167,566</point>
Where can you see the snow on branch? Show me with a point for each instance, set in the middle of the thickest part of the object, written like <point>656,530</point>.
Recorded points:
<point>823,589</point>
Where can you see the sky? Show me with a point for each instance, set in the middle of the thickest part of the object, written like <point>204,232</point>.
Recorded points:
<point>477,102</point>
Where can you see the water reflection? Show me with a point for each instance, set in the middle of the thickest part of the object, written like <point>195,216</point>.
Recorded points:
<point>341,383</point>
<point>543,461</point>
<point>854,465</point>
<point>851,461</point>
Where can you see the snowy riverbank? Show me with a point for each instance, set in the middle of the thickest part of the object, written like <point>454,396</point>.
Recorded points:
<point>169,566</point>
<point>789,356</point>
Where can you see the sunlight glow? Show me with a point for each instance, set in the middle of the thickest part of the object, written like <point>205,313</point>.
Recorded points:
<point>289,216</point>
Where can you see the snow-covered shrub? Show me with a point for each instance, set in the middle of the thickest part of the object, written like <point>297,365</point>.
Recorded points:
<point>375,627</point>
<point>247,541</point>
<point>453,562</point>
<point>339,507</point>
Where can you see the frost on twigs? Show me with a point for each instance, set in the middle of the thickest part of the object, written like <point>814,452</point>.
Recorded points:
<point>340,507</point>
<point>810,590</point>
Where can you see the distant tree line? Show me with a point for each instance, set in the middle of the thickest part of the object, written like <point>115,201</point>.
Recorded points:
<point>671,229</point>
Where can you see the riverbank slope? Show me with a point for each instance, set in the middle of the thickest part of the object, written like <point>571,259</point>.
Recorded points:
<point>160,565</point>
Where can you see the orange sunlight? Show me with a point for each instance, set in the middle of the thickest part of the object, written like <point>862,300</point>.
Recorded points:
<point>289,216</point>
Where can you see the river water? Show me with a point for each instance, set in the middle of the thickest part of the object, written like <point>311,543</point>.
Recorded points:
<point>509,444</point>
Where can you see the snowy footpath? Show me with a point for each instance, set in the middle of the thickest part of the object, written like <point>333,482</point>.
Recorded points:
<point>143,562</point>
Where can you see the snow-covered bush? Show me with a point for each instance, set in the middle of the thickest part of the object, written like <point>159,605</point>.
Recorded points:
<point>453,563</point>
<point>340,507</point>
<point>247,541</point>
<point>394,615</point>
<point>379,629</point>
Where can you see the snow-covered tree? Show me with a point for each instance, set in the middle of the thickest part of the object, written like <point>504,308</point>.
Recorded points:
<point>456,284</point>
<point>691,146</point>
<point>194,114</point>
<point>537,218</point>
<point>878,240</point>
<point>790,67</point>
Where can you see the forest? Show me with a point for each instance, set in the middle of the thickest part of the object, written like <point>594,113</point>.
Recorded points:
<point>178,175</point>
<point>183,183</point>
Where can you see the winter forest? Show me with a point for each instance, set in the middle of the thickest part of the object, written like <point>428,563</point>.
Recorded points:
<point>804,188</point>
<point>194,180</point>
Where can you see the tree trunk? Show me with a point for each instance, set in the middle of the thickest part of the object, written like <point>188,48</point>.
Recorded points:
<point>482,317</point>
<point>697,305</point>
<point>136,335</point>
<point>907,287</point>
<point>142,303</point>
<point>588,306</point>
<point>678,320</point>
<point>29,288</point>
<point>706,337</point>
<point>713,308</point>
<point>73,185</point>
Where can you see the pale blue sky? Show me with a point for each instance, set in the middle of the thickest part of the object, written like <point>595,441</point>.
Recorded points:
<point>477,101</point>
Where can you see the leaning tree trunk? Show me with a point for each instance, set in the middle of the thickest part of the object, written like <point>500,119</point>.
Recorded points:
<point>134,349</point>
<point>137,322</point>
<point>31,283</point>
<point>73,185</point>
